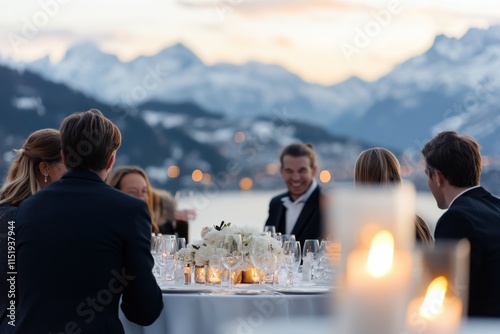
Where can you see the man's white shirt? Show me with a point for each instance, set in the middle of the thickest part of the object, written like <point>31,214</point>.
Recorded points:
<point>293,209</point>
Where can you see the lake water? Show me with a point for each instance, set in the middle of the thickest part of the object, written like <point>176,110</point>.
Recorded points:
<point>250,208</point>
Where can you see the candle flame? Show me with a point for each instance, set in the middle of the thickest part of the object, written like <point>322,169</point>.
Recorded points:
<point>434,298</point>
<point>381,254</point>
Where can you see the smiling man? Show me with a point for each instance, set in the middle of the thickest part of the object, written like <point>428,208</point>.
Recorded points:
<point>297,211</point>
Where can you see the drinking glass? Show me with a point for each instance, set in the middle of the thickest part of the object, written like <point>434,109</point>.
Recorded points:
<point>154,247</point>
<point>286,237</point>
<point>260,253</point>
<point>181,243</point>
<point>309,256</point>
<point>233,257</point>
<point>165,253</point>
<point>271,230</point>
<point>185,202</point>
<point>292,253</point>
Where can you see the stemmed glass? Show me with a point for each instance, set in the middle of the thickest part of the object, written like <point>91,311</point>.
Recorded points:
<point>185,202</point>
<point>154,246</point>
<point>309,256</point>
<point>285,237</point>
<point>261,254</point>
<point>271,230</point>
<point>233,256</point>
<point>292,253</point>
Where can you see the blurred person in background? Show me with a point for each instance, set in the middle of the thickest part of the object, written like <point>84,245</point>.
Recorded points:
<point>380,166</point>
<point>298,211</point>
<point>134,181</point>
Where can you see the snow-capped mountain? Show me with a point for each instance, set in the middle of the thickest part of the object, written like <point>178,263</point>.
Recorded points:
<point>454,85</point>
<point>161,135</point>
<point>177,75</point>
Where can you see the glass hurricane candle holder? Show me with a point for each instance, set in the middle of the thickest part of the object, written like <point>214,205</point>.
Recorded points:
<point>376,229</point>
<point>440,288</point>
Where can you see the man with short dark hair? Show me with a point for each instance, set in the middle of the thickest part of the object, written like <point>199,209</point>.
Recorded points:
<point>297,211</point>
<point>453,168</point>
<point>81,244</point>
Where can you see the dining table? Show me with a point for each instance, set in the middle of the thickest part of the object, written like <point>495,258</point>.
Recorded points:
<point>204,309</point>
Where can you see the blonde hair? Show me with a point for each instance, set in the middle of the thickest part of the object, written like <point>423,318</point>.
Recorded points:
<point>164,206</point>
<point>377,165</point>
<point>115,178</point>
<point>22,179</point>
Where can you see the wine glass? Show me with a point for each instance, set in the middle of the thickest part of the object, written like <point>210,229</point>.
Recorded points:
<point>181,243</point>
<point>285,237</point>
<point>271,230</point>
<point>292,253</point>
<point>233,257</point>
<point>309,256</point>
<point>154,247</point>
<point>185,204</point>
<point>260,253</point>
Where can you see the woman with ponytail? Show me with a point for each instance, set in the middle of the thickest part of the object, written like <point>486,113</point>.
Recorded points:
<point>37,164</point>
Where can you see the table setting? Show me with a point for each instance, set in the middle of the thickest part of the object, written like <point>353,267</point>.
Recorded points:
<point>230,259</point>
<point>233,273</point>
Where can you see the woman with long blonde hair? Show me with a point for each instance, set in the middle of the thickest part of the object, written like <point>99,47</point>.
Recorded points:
<point>380,166</point>
<point>37,164</point>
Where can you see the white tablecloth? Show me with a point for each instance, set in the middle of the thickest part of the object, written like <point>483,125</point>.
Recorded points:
<point>190,313</point>
<point>323,325</point>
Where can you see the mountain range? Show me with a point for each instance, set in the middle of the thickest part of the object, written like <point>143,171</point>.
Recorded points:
<point>174,109</point>
<point>453,85</point>
<point>157,135</point>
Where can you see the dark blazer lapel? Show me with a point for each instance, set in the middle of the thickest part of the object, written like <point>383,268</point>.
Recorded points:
<point>311,205</point>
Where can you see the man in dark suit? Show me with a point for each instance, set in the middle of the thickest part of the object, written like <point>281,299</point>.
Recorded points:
<point>81,244</point>
<point>298,210</point>
<point>453,167</point>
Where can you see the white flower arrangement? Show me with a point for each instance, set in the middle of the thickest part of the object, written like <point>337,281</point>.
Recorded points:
<point>208,251</point>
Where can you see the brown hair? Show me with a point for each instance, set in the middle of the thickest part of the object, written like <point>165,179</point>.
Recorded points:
<point>299,150</point>
<point>457,157</point>
<point>115,178</point>
<point>88,140</point>
<point>23,176</point>
<point>380,166</point>
<point>377,165</point>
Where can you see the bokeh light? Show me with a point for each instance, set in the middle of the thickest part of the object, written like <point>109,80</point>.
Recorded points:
<point>325,176</point>
<point>197,175</point>
<point>246,183</point>
<point>173,171</point>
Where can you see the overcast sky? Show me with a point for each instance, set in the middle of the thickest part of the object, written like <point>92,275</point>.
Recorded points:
<point>323,41</point>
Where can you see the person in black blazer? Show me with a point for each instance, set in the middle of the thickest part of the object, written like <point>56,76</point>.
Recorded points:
<point>82,245</point>
<point>297,211</point>
<point>453,167</point>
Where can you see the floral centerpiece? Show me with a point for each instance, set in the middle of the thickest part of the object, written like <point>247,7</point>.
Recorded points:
<point>208,251</point>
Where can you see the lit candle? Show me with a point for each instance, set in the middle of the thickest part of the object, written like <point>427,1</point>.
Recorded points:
<point>199,274</point>
<point>435,313</point>
<point>376,282</point>
<point>213,276</point>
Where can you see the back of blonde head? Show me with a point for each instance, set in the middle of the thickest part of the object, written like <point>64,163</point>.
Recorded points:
<point>22,178</point>
<point>377,165</point>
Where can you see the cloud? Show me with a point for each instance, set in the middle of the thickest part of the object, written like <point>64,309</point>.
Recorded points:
<point>281,6</point>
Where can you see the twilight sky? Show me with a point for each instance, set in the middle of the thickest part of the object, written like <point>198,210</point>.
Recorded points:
<point>323,41</point>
